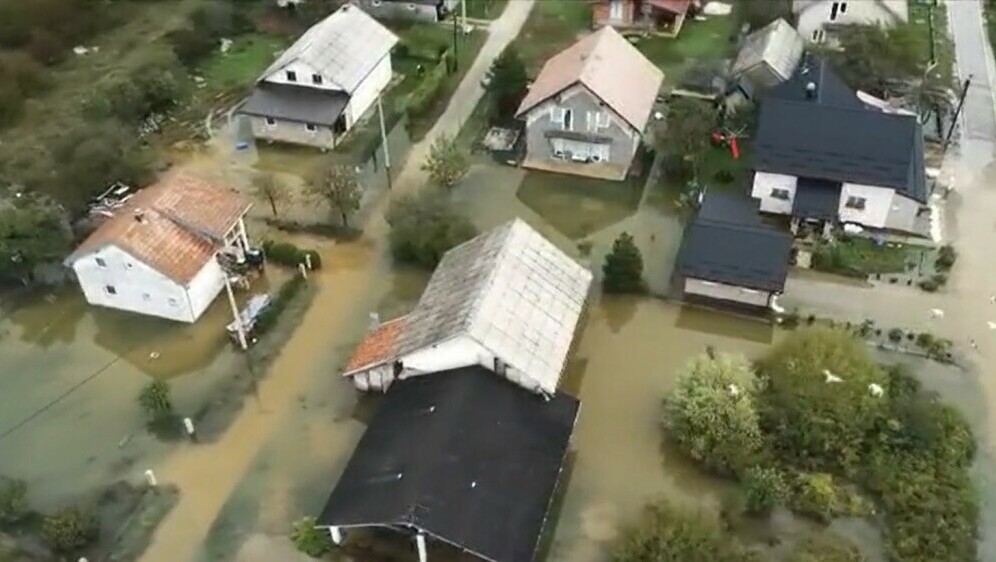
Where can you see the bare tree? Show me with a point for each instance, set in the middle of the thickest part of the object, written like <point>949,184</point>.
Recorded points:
<point>267,186</point>
<point>447,164</point>
<point>340,189</point>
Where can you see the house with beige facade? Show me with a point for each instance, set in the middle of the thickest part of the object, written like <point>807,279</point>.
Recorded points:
<point>588,110</point>
<point>817,20</point>
<point>321,86</point>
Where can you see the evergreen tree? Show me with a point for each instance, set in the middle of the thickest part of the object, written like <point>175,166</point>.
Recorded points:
<point>623,269</point>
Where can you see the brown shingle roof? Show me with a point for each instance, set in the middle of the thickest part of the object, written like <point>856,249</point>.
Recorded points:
<point>174,226</point>
<point>377,347</point>
<point>611,68</point>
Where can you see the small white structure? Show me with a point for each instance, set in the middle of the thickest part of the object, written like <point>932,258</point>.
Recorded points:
<point>770,55</point>
<point>158,254</point>
<point>508,300</point>
<point>817,19</point>
<point>321,86</point>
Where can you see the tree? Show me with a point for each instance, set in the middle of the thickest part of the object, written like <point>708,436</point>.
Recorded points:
<point>100,154</point>
<point>308,539</point>
<point>424,226</point>
<point>34,230</point>
<point>763,488</point>
<point>447,164</point>
<point>13,500</point>
<point>155,400</point>
<point>684,137</point>
<point>267,186</point>
<point>340,189</point>
<point>70,529</point>
<point>666,533</point>
<point>880,60</point>
<point>623,268</point>
<point>506,83</point>
<point>711,413</point>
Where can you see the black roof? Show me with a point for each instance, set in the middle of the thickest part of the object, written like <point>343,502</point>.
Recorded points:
<point>728,243</point>
<point>463,455</point>
<point>826,132</point>
<point>816,199</point>
<point>295,103</point>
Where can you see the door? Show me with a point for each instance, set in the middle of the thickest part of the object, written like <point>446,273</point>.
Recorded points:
<point>616,10</point>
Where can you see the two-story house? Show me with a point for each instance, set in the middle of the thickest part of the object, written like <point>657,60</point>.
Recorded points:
<point>158,254</point>
<point>320,87</point>
<point>587,111</point>
<point>818,19</point>
<point>660,16</point>
<point>823,156</point>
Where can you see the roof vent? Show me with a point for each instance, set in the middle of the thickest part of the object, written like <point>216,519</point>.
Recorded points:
<point>139,215</point>
<point>811,90</point>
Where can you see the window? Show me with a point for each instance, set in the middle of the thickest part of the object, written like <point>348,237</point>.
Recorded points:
<point>316,79</point>
<point>110,290</point>
<point>376,3</point>
<point>499,366</point>
<point>411,7</point>
<point>146,297</point>
<point>100,262</point>
<point>843,7</point>
<point>818,35</point>
<point>568,119</point>
<point>856,203</point>
<point>834,9</point>
<point>603,119</point>
<point>311,127</point>
<point>616,10</point>
<point>779,193</point>
<point>291,76</point>
<point>271,122</point>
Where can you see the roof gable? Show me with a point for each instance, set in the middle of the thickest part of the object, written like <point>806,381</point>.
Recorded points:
<point>777,44</point>
<point>608,66</point>
<point>344,48</point>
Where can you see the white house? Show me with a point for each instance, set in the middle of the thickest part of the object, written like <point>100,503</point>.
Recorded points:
<point>158,254</point>
<point>320,87</point>
<point>508,300</point>
<point>824,156</point>
<point>817,19</point>
<point>769,55</point>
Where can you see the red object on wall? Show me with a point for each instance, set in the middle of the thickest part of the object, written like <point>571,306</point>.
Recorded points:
<point>735,148</point>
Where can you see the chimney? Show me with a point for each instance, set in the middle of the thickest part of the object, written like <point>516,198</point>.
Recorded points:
<point>374,321</point>
<point>811,90</point>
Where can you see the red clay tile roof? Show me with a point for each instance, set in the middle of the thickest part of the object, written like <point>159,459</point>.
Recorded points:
<point>174,226</point>
<point>378,347</point>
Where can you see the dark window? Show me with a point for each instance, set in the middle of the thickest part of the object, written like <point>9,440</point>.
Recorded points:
<point>271,121</point>
<point>782,194</point>
<point>110,290</point>
<point>833,10</point>
<point>843,7</point>
<point>856,203</point>
<point>100,262</point>
<point>291,76</point>
<point>316,78</point>
<point>569,119</point>
<point>311,127</point>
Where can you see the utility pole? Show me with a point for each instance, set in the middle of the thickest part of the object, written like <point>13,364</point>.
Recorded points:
<point>463,12</point>
<point>239,328</point>
<point>456,51</point>
<point>954,118</point>
<point>383,142</point>
<point>930,29</point>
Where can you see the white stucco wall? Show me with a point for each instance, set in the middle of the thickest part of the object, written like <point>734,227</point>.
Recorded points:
<point>138,287</point>
<point>377,378</point>
<point>722,291</point>
<point>304,74</point>
<point>858,12</point>
<point>205,286</point>
<point>457,353</point>
<point>366,93</point>
<point>902,214</point>
<point>293,132</point>
<point>764,182</point>
<point>878,200</point>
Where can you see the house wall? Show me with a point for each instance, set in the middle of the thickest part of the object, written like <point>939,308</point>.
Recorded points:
<point>902,214</point>
<point>877,204</point>
<point>624,138</point>
<point>764,183</point>
<point>602,11</point>
<point>138,287</point>
<point>859,12</point>
<point>456,353</point>
<point>377,378</point>
<point>724,292</point>
<point>399,10</point>
<point>293,132</point>
<point>762,76</point>
<point>204,287</point>
<point>304,74</point>
<point>366,93</point>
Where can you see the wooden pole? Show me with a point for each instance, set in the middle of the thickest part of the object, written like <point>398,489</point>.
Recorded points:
<point>239,328</point>
<point>954,118</point>
<point>383,141</point>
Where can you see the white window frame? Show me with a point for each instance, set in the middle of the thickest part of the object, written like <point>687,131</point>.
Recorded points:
<point>781,194</point>
<point>557,115</point>
<point>616,10</point>
<point>818,35</point>
<point>604,121</point>
<point>856,202</point>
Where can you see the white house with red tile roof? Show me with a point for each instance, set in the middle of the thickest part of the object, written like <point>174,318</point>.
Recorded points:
<point>158,254</point>
<point>588,109</point>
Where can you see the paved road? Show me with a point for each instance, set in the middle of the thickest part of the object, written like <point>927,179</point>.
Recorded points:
<point>974,59</point>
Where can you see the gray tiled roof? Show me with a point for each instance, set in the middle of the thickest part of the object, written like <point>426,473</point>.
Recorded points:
<point>510,290</point>
<point>343,47</point>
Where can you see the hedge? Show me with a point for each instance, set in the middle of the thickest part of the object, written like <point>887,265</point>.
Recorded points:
<point>268,318</point>
<point>285,253</point>
<point>421,98</point>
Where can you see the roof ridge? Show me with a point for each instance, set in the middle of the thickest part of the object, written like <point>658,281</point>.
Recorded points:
<point>482,289</point>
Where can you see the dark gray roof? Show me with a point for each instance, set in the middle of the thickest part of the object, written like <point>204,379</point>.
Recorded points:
<point>462,455</point>
<point>295,103</point>
<point>833,136</point>
<point>728,243</point>
<point>816,199</point>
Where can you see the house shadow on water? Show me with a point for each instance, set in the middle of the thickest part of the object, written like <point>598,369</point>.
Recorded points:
<point>716,323</point>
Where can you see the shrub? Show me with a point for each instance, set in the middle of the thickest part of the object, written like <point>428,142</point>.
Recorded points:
<point>191,45</point>
<point>45,47</point>
<point>287,254</point>
<point>946,257</point>
<point>426,93</point>
<point>723,176</point>
<point>710,414</point>
<point>11,103</point>
<point>820,496</point>
<point>825,548</point>
<point>308,539</point>
<point>446,163</point>
<point>424,226</point>
<point>133,95</point>
<point>622,271</point>
<point>155,400</point>
<point>763,488</point>
<point>895,335</point>
<point>13,500</point>
<point>666,533</point>
<point>70,529</point>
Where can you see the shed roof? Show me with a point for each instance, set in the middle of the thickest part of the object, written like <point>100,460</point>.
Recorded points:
<point>728,243</point>
<point>461,455</point>
<point>777,44</point>
<point>344,47</point>
<point>377,348</point>
<point>610,68</point>
<point>174,226</point>
<point>512,291</point>
<point>816,199</point>
<point>295,103</point>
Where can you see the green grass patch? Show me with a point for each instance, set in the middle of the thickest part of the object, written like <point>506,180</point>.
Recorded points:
<point>700,42</point>
<point>248,57</point>
<point>860,257</point>
<point>921,13</point>
<point>552,26</point>
<point>719,168</point>
<point>577,206</point>
<point>484,9</point>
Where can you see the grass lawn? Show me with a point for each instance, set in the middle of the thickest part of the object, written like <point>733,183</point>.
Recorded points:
<point>699,42</point>
<point>484,9</point>
<point>552,26</point>
<point>578,206</point>
<point>860,257</point>
<point>719,159</point>
<point>943,47</point>
<point>249,56</point>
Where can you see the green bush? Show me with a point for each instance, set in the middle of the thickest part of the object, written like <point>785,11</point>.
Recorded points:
<point>424,226</point>
<point>155,400</point>
<point>420,100</point>
<point>763,489</point>
<point>131,96</point>
<point>310,540</point>
<point>191,45</point>
<point>268,318</point>
<point>821,496</point>
<point>13,500</point>
<point>895,335</point>
<point>946,257</point>
<point>668,534</point>
<point>825,548</point>
<point>287,254</point>
<point>622,271</point>
<point>70,529</point>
